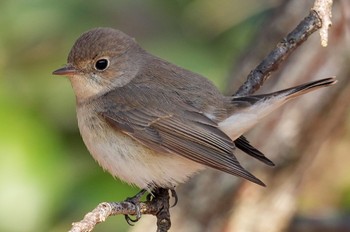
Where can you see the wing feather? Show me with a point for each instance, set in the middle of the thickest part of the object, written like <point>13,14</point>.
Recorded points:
<point>188,133</point>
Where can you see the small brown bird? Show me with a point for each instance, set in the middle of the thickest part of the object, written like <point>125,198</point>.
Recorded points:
<point>153,124</point>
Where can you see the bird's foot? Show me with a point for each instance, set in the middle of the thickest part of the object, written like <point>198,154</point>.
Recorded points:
<point>156,192</point>
<point>135,200</point>
<point>159,195</point>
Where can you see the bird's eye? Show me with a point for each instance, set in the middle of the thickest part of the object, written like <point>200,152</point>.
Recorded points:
<point>101,64</point>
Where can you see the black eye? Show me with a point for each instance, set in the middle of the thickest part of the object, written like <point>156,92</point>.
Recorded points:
<point>101,64</point>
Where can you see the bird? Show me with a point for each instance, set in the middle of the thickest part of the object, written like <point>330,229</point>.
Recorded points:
<point>154,124</point>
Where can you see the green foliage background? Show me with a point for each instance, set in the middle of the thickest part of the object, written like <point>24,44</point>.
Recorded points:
<point>47,177</point>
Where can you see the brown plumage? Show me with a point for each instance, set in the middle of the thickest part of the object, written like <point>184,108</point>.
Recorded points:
<point>154,124</point>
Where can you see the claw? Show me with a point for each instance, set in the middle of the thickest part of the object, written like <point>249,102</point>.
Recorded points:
<point>174,195</point>
<point>149,197</point>
<point>131,221</point>
<point>135,200</point>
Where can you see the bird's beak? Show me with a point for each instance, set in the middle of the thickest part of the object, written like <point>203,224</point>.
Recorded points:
<point>67,70</point>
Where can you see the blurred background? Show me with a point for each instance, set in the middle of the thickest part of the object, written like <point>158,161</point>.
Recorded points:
<point>47,177</point>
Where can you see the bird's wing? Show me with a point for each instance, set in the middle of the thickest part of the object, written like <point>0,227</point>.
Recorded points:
<point>186,132</point>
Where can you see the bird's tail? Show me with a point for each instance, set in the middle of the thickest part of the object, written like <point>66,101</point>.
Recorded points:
<point>248,110</point>
<point>296,91</point>
<point>278,98</point>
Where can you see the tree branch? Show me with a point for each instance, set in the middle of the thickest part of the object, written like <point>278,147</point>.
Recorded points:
<point>157,206</point>
<point>318,18</point>
<point>271,62</point>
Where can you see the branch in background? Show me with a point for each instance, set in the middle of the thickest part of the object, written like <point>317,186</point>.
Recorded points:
<point>261,73</point>
<point>324,11</point>
<point>319,18</point>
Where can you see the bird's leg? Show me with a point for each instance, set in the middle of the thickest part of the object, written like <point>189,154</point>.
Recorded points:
<point>157,191</point>
<point>136,201</point>
<point>160,197</point>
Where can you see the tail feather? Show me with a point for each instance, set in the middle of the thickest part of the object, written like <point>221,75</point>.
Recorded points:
<point>308,87</point>
<point>243,144</point>
<point>290,93</point>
